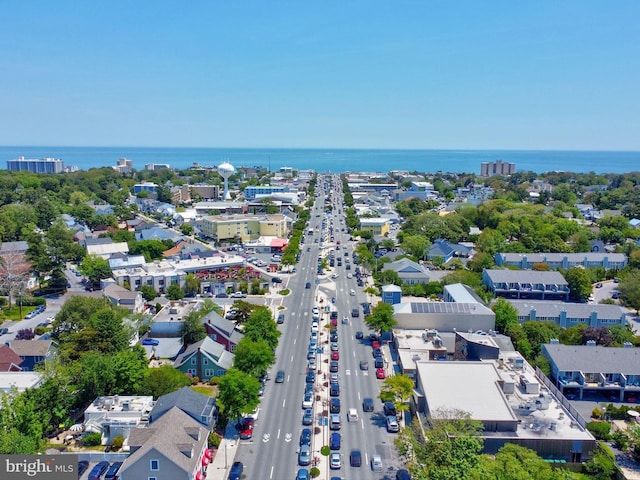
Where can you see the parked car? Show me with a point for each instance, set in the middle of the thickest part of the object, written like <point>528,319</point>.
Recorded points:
<point>403,474</point>
<point>113,470</point>
<point>334,441</point>
<point>150,341</point>
<point>333,366</point>
<point>307,401</point>
<point>98,470</point>
<point>246,434</point>
<point>276,280</point>
<point>380,373</point>
<point>305,436</point>
<point>389,409</point>
<point>392,424</point>
<point>334,390</point>
<point>4,330</point>
<point>236,471</point>
<point>376,463</point>
<point>335,461</point>
<point>238,295</point>
<point>303,474</point>
<point>304,456</point>
<point>307,418</point>
<point>334,405</point>
<point>83,465</point>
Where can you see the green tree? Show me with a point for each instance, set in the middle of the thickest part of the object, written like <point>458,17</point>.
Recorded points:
<point>506,315</point>
<point>253,357</point>
<point>151,249</point>
<point>193,330</point>
<point>579,283</point>
<point>162,380</point>
<point>381,318</point>
<point>60,245</point>
<point>237,393</point>
<point>260,326</point>
<point>415,245</point>
<point>629,288</point>
<point>397,389</point>
<point>192,285</point>
<point>95,268</point>
<point>243,310</point>
<point>148,292</point>
<point>513,461</point>
<point>174,292</point>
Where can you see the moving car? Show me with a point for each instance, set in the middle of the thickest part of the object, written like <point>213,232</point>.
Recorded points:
<point>307,285</point>
<point>367,405</point>
<point>280,376</point>
<point>364,365</point>
<point>355,459</point>
<point>280,318</point>
<point>359,335</point>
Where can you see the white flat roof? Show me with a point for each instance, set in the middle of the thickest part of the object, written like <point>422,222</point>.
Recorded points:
<point>467,386</point>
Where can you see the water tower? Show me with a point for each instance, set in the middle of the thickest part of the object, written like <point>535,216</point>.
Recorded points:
<point>226,170</point>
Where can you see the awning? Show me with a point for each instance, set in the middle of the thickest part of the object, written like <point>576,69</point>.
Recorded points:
<point>205,461</point>
<point>633,413</point>
<point>199,476</point>
<point>208,453</point>
<point>78,427</point>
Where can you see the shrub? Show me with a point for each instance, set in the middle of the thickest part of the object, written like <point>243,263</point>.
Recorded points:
<point>214,380</point>
<point>40,330</point>
<point>25,334</point>
<point>314,472</point>
<point>195,380</point>
<point>214,440</point>
<point>92,439</point>
<point>117,442</point>
<point>286,291</point>
<point>325,450</point>
<point>600,430</point>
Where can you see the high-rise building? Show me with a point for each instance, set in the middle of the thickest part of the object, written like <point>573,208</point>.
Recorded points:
<point>489,169</point>
<point>45,165</point>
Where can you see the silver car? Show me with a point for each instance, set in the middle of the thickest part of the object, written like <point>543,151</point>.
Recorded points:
<point>376,463</point>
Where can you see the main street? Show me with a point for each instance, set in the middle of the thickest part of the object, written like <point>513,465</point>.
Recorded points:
<point>272,452</point>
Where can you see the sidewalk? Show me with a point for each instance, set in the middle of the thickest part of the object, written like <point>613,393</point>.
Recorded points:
<point>224,456</point>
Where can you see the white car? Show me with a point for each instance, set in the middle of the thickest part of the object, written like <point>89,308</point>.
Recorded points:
<point>376,463</point>
<point>314,326</point>
<point>315,311</point>
<point>334,276</point>
<point>336,461</point>
<point>349,275</point>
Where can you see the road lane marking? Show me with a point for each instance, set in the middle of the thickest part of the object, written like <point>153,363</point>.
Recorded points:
<point>266,437</point>
<point>278,436</point>
<point>284,402</point>
<point>271,475</point>
<point>288,437</point>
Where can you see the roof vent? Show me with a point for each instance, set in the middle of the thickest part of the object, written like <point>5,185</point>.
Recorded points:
<point>591,343</point>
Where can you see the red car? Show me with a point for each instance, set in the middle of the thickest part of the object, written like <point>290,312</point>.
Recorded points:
<point>380,373</point>
<point>246,434</point>
<point>334,322</point>
<point>335,355</point>
<point>375,344</point>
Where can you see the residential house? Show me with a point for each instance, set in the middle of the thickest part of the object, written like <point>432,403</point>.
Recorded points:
<point>125,298</point>
<point>32,352</point>
<point>525,261</point>
<point>567,314</point>
<point>222,331</point>
<point>199,407</point>
<point>391,294</point>
<point>105,250</point>
<point>205,359</point>
<point>172,448</point>
<point>9,360</point>
<point>158,233</point>
<point>446,250</point>
<point>408,271</point>
<point>117,415</point>
<point>634,223</point>
<point>610,371</point>
<point>526,284</point>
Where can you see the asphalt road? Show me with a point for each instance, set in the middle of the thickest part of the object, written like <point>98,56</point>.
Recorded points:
<point>272,453</point>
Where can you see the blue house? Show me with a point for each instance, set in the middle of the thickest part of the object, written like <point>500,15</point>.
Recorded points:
<point>391,294</point>
<point>447,250</point>
<point>32,352</point>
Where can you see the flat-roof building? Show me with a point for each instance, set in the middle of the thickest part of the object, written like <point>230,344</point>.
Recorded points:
<point>444,316</point>
<point>525,261</point>
<point>526,284</point>
<point>44,165</point>
<point>568,314</point>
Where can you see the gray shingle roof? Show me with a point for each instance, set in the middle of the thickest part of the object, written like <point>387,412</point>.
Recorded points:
<point>570,358</point>
<point>170,436</point>
<point>192,403</point>
<point>525,276</point>
<point>574,310</point>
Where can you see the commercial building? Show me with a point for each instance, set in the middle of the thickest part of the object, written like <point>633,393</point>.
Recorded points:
<point>377,226</point>
<point>513,404</point>
<point>525,261</point>
<point>489,169</point>
<point>252,191</point>
<point>44,165</point>
<point>145,187</point>
<point>526,284</point>
<point>568,314</point>
<point>444,316</point>
<point>611,371</point>
<point>227,228</point>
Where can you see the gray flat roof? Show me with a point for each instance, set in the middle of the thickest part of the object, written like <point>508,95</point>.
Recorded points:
<point>574,310</point>
<point>583,358</point>
<point>467,386</point>
<point>526,276</point>
<point>559,257</point>
<point>441,307</point>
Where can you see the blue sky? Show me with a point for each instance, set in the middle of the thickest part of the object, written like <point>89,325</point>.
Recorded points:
<point>353,74</point>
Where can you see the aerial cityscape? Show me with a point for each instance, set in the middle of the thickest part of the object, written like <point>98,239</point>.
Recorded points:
<point>384,241</point>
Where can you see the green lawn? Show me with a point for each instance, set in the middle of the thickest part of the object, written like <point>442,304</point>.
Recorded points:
<point>13,313</point>
<point>208,390</point>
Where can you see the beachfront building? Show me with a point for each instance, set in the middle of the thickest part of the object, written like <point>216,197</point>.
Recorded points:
<point>44,165</point>
<point>230,228</point>
<point>145,187</point>
<point>568,314</point>
<point>489,169</point>
<point>526,284</point>
<point>377,226</point>
<point>525,261</point>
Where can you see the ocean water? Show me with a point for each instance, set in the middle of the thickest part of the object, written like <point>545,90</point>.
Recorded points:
<point>336,160</point>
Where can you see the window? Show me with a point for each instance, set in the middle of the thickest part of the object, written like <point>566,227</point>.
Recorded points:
<point>205,361</point>
<point>154,465</point>
<point>233,348</point>
<point>193,361</point>
<point>208,372</point>
<point>152,478</point>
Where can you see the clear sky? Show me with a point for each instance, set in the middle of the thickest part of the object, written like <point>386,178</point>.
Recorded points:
<point>328,74</point>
